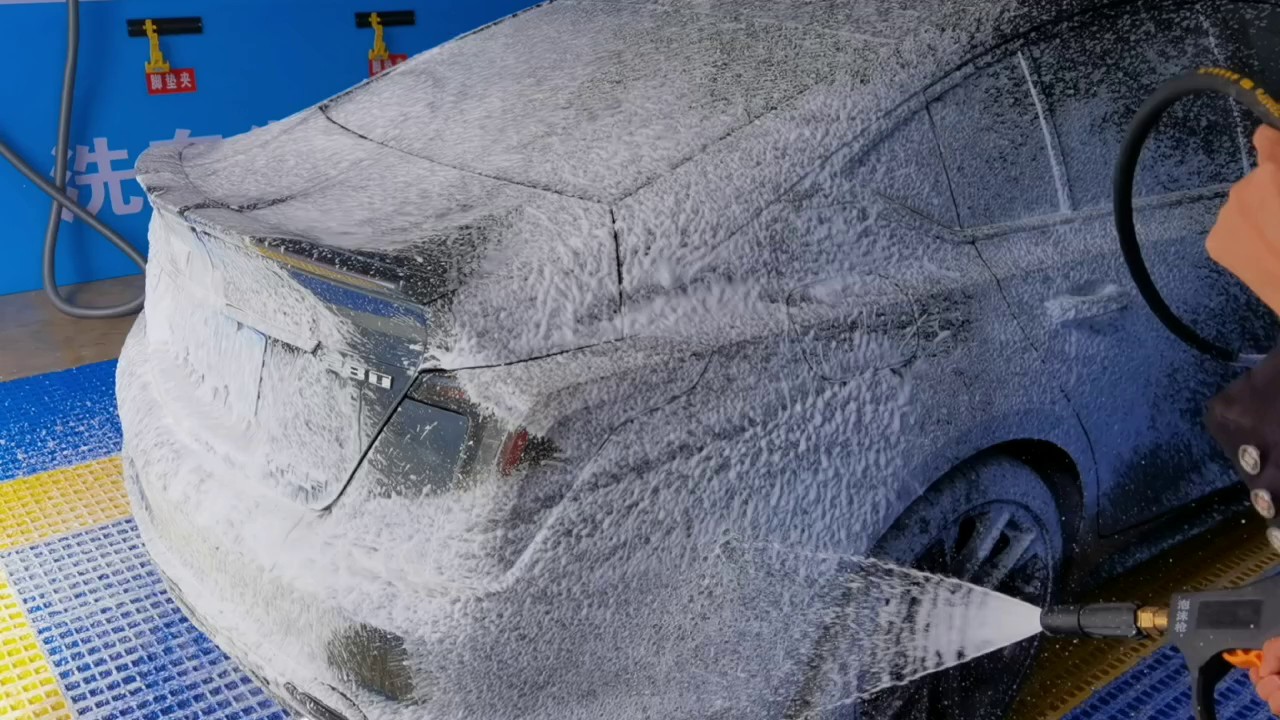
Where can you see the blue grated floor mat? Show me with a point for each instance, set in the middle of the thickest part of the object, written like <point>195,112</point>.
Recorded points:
<point>1159,688</point>
<point>116,639</point>
<point>57,420</point>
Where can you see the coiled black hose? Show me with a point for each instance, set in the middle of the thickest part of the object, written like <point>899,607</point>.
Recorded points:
<point>1213,80</point>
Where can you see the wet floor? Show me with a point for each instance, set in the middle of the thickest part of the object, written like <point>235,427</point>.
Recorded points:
<point>35,338</point>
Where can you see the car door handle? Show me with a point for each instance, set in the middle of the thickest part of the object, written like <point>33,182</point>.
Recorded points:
<point>1084,303</point>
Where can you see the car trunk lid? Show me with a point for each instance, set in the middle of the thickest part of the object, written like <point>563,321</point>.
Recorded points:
<point>289,328</point>
<point>270,372</point>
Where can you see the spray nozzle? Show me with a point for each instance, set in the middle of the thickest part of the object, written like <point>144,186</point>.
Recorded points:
<point>1104,620</point>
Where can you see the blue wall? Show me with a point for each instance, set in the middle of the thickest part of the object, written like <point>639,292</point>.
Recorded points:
<point>298,52</point>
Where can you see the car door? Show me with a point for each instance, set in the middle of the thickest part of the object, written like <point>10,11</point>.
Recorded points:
<point>1029,140</point>
<point>887,297</point>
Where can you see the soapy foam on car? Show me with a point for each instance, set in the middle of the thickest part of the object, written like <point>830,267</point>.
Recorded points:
<point>717,632</point>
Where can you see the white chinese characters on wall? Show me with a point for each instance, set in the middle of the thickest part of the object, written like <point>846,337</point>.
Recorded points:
<point>94,168</point>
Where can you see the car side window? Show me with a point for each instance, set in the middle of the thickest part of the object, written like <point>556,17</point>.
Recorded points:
<point>1245,37</point>
<point>899,162</point>
<point>994,145</point>
<point>905,166</point>
<point>1096,73</point>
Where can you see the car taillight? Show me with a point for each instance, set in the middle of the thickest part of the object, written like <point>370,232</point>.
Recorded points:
<point>491,442</point>
<point>513,451</point>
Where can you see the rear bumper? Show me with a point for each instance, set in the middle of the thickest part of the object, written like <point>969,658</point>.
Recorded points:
<point>396,608</point>
<point>216,542</point>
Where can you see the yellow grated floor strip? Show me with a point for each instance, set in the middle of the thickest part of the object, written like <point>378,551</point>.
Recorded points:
<point>58,502</point>
<point>28,688</point>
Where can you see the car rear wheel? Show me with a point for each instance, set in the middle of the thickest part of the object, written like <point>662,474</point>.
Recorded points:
<point>991,522</point>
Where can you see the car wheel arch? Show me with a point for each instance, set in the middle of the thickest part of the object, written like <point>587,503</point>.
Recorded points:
<point>1059,472</point>
<point>1052,444</point>
<point>1061,489</point>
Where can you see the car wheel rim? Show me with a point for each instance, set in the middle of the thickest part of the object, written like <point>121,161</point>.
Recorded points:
<point>1001,545</point>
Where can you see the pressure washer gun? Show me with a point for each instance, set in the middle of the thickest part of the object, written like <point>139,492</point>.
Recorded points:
<point>1221,629</point>
<point>1215,630</point>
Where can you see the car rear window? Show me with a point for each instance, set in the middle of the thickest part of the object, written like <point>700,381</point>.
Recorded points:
<point>587,99</point>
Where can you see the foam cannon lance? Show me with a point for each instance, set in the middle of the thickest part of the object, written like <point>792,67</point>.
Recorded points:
<point>1215,630</point>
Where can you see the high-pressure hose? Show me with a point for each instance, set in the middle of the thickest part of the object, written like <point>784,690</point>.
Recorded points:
<point>1214,80</point>
<point>57,191</point>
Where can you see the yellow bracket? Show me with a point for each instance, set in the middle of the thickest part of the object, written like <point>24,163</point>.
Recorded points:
<point>379,51</point>
<point>157,64</point>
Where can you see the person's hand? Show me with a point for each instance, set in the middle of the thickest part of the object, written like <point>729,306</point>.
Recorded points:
<point>1246,238</point>
<point>1266,679</point>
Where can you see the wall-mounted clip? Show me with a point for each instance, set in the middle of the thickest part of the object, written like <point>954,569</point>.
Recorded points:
<point>157,64</point>
<point>379,51</point>
<point>161,79</point>
<point>380,58</point>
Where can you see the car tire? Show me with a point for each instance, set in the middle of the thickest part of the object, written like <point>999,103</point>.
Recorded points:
<point>969,524</point>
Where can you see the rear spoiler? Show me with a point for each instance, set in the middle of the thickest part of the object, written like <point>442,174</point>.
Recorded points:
<point>347,279</point>
<point>331,264</point>
<point>354,269</point>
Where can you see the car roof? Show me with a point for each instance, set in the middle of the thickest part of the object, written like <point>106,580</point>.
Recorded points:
<point>583,100</point>
<point>593,99</point>
<point>530,197</point>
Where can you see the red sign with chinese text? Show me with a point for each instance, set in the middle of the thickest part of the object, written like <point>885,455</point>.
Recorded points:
<point>377,66</point>
<point>172,82</point>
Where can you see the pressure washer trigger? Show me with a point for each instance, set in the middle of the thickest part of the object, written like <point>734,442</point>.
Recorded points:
<point>1219,630</point>
<point>1244,659</point>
